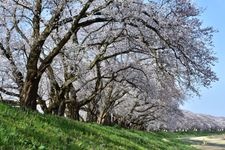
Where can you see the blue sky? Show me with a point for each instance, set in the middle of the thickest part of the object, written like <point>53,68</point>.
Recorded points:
<point>212,100</point>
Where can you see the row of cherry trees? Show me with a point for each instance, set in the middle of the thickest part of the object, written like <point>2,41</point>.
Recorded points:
<point>108,61</point>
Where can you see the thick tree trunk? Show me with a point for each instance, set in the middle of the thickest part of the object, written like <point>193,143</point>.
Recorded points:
<point>92,115</point>
<point>101,117</point>
<point>73,111</point>
<point>61,109</point>
<point>104,118</point>
<point>28,95</point>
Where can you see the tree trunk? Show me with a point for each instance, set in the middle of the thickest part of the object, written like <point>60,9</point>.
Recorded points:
<point>91,114</point>
<point>73,111</point>
<point>28,95</point>
<point>61,109</point>
<point>104,118</point>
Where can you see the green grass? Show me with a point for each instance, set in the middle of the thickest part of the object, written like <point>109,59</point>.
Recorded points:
<point>29,130</point>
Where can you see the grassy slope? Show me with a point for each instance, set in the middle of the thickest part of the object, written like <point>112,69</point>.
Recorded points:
<point>29,130</point>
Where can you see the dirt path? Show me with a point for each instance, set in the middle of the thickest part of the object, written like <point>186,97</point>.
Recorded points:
<point>216,142</point>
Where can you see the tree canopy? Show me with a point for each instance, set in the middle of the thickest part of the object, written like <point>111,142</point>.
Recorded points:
<point>129,61</point>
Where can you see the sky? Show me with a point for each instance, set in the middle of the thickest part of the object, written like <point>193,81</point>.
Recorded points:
<point>212,100</point>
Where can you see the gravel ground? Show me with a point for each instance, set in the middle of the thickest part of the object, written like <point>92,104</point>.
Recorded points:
<point>216,142</point>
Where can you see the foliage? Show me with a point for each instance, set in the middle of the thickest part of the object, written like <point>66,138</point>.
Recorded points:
<point>194,121</point>
<point>128,62</point>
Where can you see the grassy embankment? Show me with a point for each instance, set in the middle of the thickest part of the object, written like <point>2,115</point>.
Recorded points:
<point>29,130</point>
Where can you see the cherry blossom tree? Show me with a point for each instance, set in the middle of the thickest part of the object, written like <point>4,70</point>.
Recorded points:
<point>133,59</point>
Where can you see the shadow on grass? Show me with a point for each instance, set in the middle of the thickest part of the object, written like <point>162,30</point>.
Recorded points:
<point>100,136</point>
